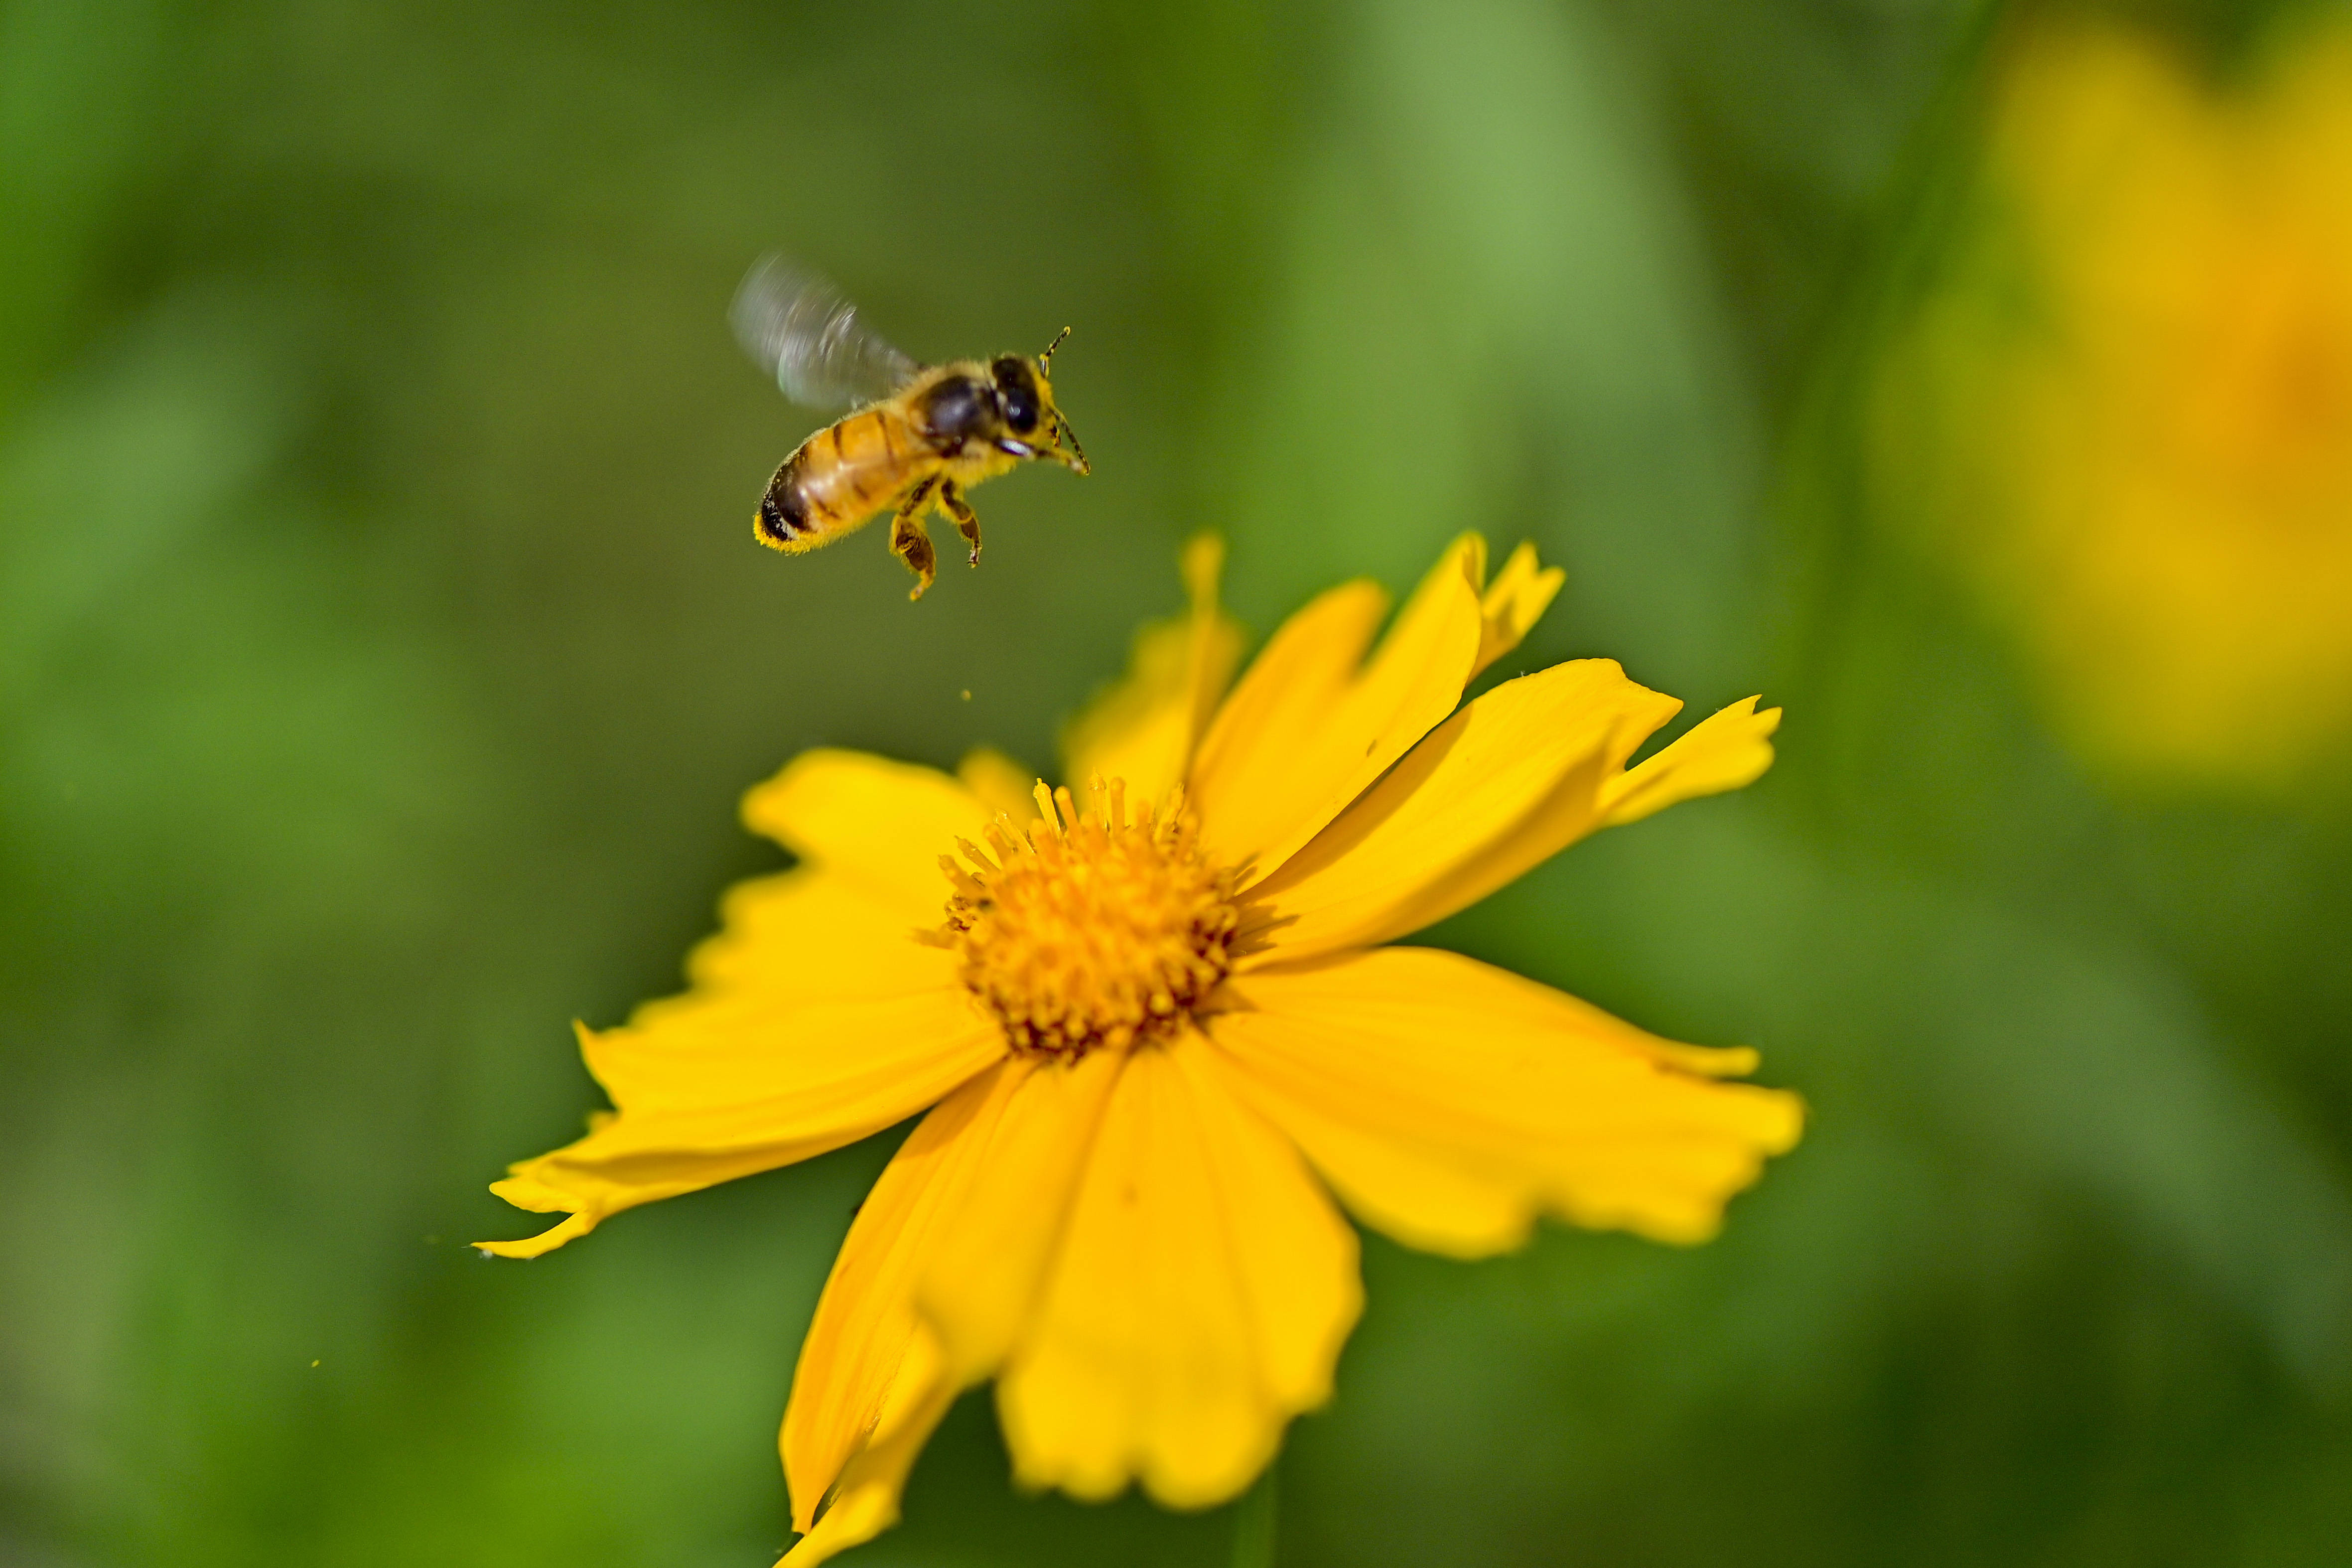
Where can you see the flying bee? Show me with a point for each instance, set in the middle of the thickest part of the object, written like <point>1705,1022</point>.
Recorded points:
<point>917,436</point>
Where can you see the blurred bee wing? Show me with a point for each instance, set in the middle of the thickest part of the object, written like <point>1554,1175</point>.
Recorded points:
<point>800,330</point>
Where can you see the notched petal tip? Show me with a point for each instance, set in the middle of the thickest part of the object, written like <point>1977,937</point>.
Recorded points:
<point>1203,563</point>
<point>1794,1114</point>
<point>1710,1061</point>
<point>572,1227</point>
<point>1467,551</point>
<point>1514,602</point>
<point>1727,749</point>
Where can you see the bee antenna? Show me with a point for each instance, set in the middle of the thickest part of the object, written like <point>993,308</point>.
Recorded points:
<point>1062,429</point>
<point>1046,360</point>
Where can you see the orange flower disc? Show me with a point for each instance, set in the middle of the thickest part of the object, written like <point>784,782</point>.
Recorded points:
<point>1091,930</point>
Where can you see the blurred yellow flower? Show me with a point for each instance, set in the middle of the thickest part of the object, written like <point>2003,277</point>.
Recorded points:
<point>2130,408</point>
<point>1147,1016</point>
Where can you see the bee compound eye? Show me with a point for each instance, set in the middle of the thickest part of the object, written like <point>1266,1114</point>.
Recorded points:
<point>1018,389</point>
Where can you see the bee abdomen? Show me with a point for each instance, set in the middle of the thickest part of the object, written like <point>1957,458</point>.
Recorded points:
<point>835,480</point>
<point>784,519</point>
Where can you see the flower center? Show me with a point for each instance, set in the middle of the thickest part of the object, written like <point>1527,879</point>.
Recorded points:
<point>1092,930</point>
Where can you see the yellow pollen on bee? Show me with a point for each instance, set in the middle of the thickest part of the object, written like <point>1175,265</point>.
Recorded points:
<point>1090,929</point>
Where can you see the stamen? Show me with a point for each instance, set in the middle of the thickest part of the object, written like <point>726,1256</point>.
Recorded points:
<point>1099,931</point>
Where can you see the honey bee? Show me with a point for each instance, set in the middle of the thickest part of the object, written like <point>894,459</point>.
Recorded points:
<point>916,438</point>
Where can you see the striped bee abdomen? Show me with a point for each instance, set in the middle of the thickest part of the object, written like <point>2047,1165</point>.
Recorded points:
<point>839,478</point>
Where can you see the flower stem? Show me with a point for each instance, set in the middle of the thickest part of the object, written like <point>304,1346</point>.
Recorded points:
<point>1254,1524</point>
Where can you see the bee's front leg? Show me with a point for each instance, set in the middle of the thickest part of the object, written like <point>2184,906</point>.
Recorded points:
<point>967,521</point>
<point>909,540</point>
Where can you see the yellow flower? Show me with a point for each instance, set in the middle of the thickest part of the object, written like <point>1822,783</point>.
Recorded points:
<point>2129,405</point>
<point>1154,1026</point>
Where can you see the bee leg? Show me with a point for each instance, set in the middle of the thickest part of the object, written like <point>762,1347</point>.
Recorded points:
<point>967,521</point>
<point>911,542</point>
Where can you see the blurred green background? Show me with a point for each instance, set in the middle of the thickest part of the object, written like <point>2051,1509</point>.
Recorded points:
<point>383,652</point>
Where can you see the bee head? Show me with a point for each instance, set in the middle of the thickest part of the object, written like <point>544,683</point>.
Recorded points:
<point>1026,399</point>
<point>1018,393</point>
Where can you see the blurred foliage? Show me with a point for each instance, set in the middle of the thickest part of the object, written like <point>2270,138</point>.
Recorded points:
<point>383,652</point>
<point>2125,408</point>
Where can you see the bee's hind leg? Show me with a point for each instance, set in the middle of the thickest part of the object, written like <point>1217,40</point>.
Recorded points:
<point>909,541</point>
<point>967,521</point>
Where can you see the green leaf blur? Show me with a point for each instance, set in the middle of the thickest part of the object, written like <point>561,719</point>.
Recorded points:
<point>383,651</point>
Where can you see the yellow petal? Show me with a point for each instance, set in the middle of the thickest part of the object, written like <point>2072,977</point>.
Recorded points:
<point>1514,602</point>
<point>981,1282</point>
<point>1198,1300</point>
<point>1290,689</point>
<point>1143,729</point>
<point>1277,765</point>
<point>809,935</point>
<point>730,1103</point>
<point>1727,749</point>
<point>872,1382</point>
<point>867,1502</point>
<point>1449,1103</point>
<point>1508,781</point>
<point>877,824</point>
<point>833,1026</point>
